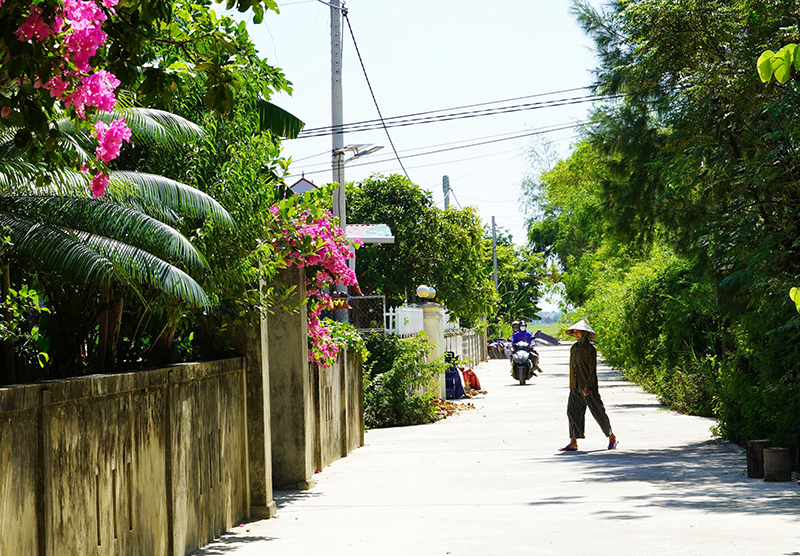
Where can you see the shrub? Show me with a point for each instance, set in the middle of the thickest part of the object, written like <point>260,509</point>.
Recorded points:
<point>399,387</point>
<point>660,326</point>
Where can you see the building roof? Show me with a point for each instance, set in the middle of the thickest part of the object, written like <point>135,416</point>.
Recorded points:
<point>370,233</point>
<point>303,185</point>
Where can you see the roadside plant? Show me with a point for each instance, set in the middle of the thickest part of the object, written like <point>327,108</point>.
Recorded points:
<point>399,386</point>
<point>345,334</point>
<point>309,238</point>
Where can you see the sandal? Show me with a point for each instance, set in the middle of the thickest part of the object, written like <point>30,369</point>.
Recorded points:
<point>567,448</point>
<point>612,445</point>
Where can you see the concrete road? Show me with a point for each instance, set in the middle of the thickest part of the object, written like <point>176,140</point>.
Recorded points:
<point>490,481</point>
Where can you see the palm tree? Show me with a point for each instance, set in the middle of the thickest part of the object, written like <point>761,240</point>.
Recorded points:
<point>125,235</point>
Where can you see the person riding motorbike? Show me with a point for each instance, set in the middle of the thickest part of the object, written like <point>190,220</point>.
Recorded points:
<point>522,335</point>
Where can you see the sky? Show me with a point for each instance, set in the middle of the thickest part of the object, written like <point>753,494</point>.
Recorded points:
<point>436,55</point>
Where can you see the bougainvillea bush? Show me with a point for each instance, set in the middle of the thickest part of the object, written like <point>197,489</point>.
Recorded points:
<point>309,238</point>
<point>51,70</point>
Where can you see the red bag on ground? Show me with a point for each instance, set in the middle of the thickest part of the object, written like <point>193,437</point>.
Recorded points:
<point>471,378</point>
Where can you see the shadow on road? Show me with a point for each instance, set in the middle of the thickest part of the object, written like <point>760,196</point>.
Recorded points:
<point>230,542</point>
<point>706,477</point>
<point>284,498</point>
<point>235,539</point>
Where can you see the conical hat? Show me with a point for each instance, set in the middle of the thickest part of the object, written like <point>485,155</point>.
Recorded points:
<point>583,325</point>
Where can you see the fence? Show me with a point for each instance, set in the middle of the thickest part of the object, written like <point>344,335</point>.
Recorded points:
<point>405,321</point>
<point>451,324</point>
<point>367,313</point>
<point>467,344</point>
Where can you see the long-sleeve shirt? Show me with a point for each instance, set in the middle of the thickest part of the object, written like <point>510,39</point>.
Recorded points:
<point>521,336</point>
<point>583,366</point>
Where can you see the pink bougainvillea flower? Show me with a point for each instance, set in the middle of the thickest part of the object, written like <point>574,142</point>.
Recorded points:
<point>110,138</point>
<point>85,34</point>
<point>99,184</point>
<point>57,86</point>
<point>96,90</point>
<point>34,27</point>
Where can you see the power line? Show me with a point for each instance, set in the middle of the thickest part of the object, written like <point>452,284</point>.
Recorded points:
<point>464,107</point>
<point>342,8</point>
<point>490,201</point>
<point>518,135</point>
<point>328,152</point>
<point>371,92</point>
<point>456,198</point>
<point>404,121</point>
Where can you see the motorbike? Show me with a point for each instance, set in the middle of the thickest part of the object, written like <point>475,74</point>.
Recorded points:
<point>523,361</point>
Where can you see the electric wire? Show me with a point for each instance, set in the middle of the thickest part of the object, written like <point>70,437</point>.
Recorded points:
<point>518,135</point>
<point>371,92</point>
<point>456,198</point>
<point>454,108</point>
<point>341,8</point>
<point>404,121</point>
<point>328,152</point>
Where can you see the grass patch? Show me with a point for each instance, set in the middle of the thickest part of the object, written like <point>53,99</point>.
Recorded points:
<point>549,329</point>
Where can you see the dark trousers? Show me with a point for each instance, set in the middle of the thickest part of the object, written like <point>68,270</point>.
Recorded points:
<point>576,412</point>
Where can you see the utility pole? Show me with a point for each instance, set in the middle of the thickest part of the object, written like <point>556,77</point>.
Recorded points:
<point>494,252</point>
<point>337,138</point>
<point>337,115</point>
<point>446,189</point>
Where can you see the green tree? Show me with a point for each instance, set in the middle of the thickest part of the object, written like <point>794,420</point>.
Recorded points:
<point>444,249</point>
<point>519,278</point>
<point>692,160</point>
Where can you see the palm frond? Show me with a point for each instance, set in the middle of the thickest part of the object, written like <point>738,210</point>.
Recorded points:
<point>139,266</point>
<point>53,250</point>
<point>277,120</point>
<point>18,177</point>
<point>113,221</point>
<point>155,127</point>
<point>75,141</point>
<point>148,126</point>
<point>137,188</point>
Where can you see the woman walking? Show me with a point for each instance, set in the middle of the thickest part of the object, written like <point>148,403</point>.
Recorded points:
<point>583,388</point>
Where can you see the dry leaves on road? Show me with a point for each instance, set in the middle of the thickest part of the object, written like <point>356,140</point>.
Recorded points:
<point>446,408</point>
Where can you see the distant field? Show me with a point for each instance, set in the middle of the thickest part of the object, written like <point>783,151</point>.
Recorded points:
<point>549,329</point>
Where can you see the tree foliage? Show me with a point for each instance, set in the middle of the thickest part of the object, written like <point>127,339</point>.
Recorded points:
<point>681,202</point>
<point>173,55</point>
<point>519,278</point>
<point>440,248</point>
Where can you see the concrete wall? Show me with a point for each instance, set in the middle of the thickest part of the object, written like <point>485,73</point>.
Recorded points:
<point>291,393</point>
<point>160,462</point>
<point>339,415</point>
<point>139,463</point>
<point>316,413</point>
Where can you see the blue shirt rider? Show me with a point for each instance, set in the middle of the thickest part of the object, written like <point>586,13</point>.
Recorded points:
<point>522,335</point>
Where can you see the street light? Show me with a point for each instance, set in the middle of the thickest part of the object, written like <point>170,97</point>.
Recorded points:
<point>339,205</point>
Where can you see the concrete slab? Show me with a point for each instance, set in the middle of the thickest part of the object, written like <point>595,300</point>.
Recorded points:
<point>491,481</point>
